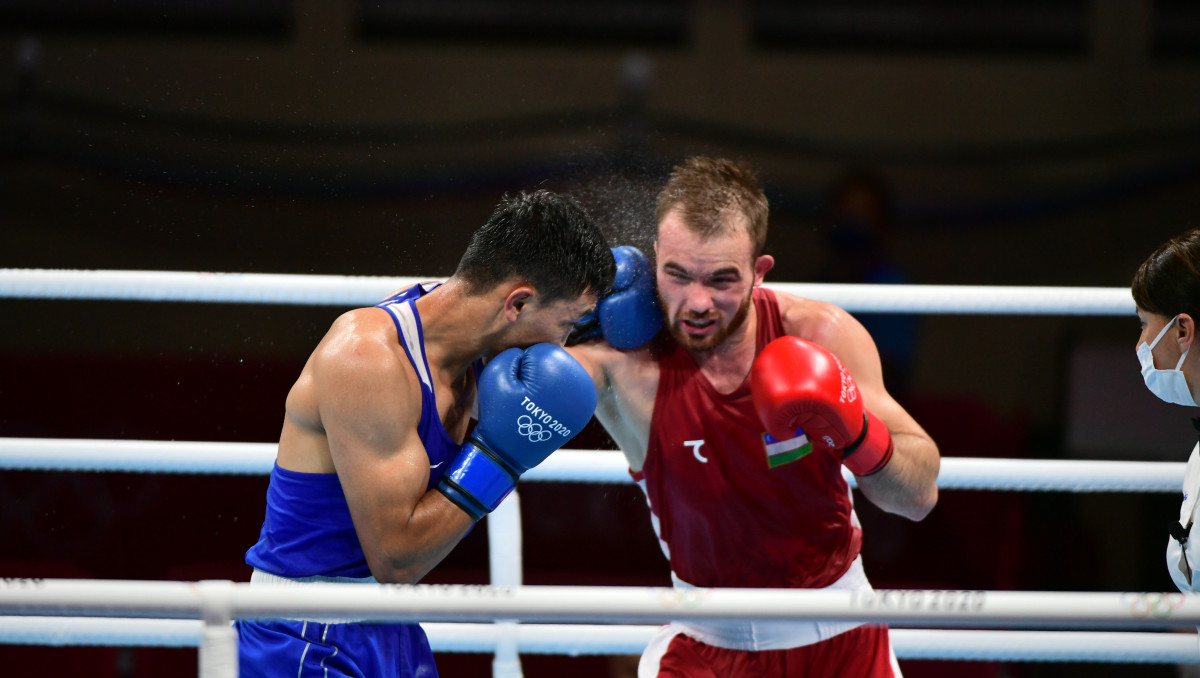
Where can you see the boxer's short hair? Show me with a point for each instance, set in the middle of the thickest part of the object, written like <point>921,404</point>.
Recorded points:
<point>544,238</point>
<point>705,190</point>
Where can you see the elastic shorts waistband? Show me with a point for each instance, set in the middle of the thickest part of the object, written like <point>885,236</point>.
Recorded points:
<point>773,635</point>
<point>260,577</point>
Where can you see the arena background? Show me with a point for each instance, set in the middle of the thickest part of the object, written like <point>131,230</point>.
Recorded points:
<point>1022,143</point>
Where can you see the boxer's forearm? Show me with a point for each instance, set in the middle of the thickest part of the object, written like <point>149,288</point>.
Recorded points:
<point>908,484</point>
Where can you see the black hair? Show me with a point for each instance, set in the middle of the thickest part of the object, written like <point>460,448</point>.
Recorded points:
<point>1168,281</point>
<point>544,238</point>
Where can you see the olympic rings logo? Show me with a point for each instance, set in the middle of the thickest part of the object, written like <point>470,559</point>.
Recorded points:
<point>532,430</point>
<point>1156,605</point>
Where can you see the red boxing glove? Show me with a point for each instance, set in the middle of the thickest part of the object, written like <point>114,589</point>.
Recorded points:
<point>796,383</point>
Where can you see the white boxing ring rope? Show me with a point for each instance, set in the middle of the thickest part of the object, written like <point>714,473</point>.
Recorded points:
<point>179,607</point>
<point>218,601</point>
<point>269,288</point>
<point>592,466</point>
<point>145,604</point>
<point>599,639</point>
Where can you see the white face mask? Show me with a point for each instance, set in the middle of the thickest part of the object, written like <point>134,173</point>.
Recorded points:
<point>1168,385</point>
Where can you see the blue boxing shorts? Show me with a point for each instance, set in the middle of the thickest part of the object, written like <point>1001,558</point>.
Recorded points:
<point>271,648</point>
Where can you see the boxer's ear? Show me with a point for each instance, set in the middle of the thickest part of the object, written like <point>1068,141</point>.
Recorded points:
<point>516,301</point>
<point>762,265</point>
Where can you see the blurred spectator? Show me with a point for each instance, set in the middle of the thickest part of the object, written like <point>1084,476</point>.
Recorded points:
<point>858,227</point>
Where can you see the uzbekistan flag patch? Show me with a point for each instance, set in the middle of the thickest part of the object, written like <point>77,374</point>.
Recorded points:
<point>780,452</point>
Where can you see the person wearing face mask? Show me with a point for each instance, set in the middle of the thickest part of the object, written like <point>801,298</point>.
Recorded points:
<point>1166,289</point>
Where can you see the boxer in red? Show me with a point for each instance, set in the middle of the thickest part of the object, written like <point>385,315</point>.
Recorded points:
<point>736,419</point>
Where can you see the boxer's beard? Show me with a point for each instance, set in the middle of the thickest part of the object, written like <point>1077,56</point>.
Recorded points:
<point>714,340</point>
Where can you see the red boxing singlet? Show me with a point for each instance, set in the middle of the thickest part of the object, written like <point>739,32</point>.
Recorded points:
<point>724,514</point>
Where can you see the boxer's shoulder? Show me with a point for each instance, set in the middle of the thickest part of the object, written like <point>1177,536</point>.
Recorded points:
<point>360,334</point>
<point>361,353</point>
<point>812,319</point>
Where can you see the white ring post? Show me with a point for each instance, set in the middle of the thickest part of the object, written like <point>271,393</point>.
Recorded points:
<point>218,654</point>
<point>505,564</point>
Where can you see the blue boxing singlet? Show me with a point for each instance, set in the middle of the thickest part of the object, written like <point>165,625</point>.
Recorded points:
<point>308,535</point>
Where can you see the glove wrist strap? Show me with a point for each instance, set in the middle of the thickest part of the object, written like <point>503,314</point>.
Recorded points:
<point>872,450</point>
<point>477,480</point>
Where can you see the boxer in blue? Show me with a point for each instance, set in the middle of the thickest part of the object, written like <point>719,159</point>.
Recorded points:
<point>375,479</point>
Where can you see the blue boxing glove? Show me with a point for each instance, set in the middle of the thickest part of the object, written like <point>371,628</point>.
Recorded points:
<point>629,316</point>
<point>531,402</point>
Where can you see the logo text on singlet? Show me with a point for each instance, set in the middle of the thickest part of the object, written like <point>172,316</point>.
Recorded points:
<point>780,452</point>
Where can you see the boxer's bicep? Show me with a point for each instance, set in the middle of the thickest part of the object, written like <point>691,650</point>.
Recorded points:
<point>370,407</point>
